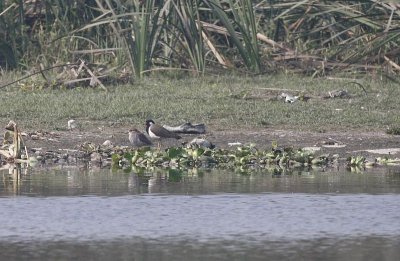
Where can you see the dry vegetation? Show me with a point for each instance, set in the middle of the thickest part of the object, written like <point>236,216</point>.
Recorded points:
<point>75,43</point>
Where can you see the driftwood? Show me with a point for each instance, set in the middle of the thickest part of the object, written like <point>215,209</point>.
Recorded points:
<point>12,153</point>
<point>187,128</point>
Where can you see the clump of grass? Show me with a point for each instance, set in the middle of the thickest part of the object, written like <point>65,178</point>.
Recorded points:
<point>393,130</point>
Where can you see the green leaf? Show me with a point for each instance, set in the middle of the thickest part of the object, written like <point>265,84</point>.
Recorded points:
<point>116,158</point>
<point>175,152</point>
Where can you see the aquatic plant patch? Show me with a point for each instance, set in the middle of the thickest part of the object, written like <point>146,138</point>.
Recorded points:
<point>245,156</point>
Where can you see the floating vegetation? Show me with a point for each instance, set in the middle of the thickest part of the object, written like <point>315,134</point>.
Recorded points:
<point>243,157</point>
<point>356,161</point>
<point>388,161</point>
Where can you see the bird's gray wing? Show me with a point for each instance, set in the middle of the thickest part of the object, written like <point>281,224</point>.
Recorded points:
<point>163,132</point>
<point>143,139</point>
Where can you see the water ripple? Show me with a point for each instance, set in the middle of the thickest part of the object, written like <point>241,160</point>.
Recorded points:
<point>204,217</point>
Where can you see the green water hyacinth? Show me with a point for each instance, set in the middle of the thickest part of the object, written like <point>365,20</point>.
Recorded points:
<point>243,157</point>
<point>388,161</point>
<point>356,161</point>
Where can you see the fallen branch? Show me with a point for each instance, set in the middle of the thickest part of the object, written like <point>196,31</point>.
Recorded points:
<point>94,78</point>
<point>395,65</point>
<point>219,57</point>
<point>32,74</point>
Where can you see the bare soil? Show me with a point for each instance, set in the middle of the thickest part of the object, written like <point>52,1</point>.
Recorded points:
<point>344,143</point>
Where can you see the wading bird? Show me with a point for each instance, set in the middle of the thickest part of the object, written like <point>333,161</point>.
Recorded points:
<point>156,131</point>
<point>138,139</point>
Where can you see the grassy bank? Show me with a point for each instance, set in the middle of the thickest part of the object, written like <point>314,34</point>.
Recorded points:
<point>221,102</point>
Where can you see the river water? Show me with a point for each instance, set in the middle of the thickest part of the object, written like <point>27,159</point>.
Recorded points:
<point>67,213</point>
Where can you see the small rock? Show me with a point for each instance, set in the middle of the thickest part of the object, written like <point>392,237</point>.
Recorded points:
<point>34,137</point>
<point>312,149</point>
<point>11,125</point>
<point>71,159</point>
<point>338,94</point>
<point>107,143</point>
<point>48,161</point>
<point>106,163</point>
<point>61,161</point>
<point>289,98</point>
<point>202,143</point>
<point>72,124</point>
<point>95,156</point>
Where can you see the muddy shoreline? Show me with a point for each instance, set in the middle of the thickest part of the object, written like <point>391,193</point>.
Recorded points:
<point>345,143</point>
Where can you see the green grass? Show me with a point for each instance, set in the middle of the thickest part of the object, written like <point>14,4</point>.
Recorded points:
<point>210,100</point>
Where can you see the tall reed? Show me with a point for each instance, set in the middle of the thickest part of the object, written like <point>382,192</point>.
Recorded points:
<point>317,36</point>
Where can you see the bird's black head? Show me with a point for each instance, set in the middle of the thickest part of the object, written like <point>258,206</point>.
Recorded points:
<point>148,124</point>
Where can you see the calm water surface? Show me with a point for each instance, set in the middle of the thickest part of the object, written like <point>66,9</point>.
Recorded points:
<point>69,213</point>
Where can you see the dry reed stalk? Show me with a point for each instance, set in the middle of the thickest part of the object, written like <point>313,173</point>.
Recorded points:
<point>220,58</point>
